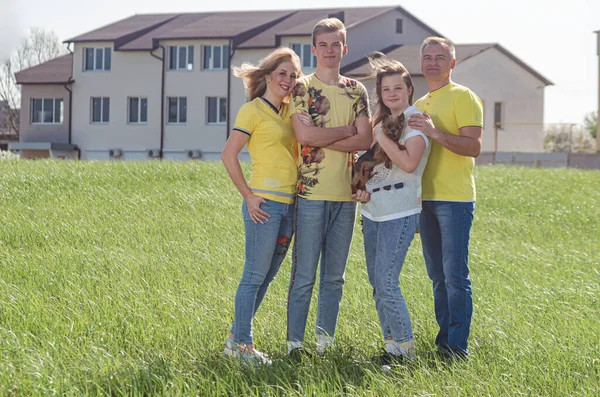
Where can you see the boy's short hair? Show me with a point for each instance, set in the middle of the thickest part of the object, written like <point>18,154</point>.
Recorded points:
<point>328,25</point>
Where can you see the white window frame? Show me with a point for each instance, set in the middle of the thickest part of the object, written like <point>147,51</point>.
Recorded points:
<point>218,110</point>
<point>178,122</point>
<point>189,56</point>
<point>102,121</point>
<point>208,62</point>
<point>54,104</point>
<point>139,110</point>
<point>303,49</point>
<point>105,51</point>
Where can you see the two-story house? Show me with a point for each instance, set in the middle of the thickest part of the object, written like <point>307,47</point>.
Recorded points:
<point>512,93</point>
<point>161,86</point>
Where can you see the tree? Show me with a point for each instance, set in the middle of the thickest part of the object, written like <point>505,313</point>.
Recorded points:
<point>567,137</point>
<point>39,47</point>
<point>590,123</point>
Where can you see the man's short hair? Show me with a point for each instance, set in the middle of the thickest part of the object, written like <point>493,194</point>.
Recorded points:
<point>328,25</point>
<point>439,41</point>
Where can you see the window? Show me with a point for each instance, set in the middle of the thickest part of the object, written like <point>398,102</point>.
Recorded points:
<point>398,25</point>
<point>138,110</point>
<point>216,110</point>
<point>97,58</point>
<point>177,110</point>
<point>181,58</point>
<point>100,109</point>
<point>47,111</point>
<point>216,57</point>
<point>498,116</point>
<point>304,51</point>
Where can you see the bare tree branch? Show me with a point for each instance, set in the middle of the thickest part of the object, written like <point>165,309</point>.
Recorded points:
<point>39,47</point>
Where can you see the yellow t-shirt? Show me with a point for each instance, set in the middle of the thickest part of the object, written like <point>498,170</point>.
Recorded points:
<point>325,174</point>
<point>449,176</point>
<point>273,149</point>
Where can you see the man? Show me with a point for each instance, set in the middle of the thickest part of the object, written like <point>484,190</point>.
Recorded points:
<point>331,120</point>
<point>452,118</point>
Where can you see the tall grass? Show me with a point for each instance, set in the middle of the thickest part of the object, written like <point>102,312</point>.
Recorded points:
<point>118,278</point>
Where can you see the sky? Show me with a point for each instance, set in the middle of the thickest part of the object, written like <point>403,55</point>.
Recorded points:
<point>557,41</point>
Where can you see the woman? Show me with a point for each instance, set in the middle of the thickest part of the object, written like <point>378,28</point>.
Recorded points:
<point>264,125</point>
<point>391,207</point>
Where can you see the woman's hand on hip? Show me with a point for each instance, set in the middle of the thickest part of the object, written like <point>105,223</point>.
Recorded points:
<point>256,213</point>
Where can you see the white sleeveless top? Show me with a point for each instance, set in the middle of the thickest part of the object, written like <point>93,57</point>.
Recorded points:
<point>394,192</point>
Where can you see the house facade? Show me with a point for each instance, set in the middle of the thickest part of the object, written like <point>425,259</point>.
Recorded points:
<point>161,86</point>
<point>512,93</point>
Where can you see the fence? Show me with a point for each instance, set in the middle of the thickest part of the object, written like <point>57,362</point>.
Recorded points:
<point>539,145</point>
<point>544,160</point>
<point>537,137</point>
<point>568,137</point>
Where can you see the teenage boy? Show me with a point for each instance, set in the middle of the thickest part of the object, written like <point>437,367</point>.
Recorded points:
<point>331,119</point>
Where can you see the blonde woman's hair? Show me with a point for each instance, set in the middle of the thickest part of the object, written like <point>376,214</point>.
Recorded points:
<point>255,77</point>
<point>439,41</point>
<point>383,66</point>
<point>328,25</point>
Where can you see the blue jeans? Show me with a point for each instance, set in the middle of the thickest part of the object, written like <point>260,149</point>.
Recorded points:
<point>323,229</point>
<point>445,229</point>
<point>386,245</point>
<point>266,246</point>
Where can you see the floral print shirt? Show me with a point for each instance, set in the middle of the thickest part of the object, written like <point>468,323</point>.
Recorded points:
<point>325,174</point>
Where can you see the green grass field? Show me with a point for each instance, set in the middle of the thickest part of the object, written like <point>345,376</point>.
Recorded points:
<point>118,279</point>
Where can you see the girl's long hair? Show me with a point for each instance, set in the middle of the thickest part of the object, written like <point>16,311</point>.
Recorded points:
<point>383,66</point>
<point>255,77</point>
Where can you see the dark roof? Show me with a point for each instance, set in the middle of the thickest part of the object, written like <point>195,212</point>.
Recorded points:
<point>302,22</point>
<point>351,16</point>
<point>224,24</point>
<point>410,57</point>
<point>141,32</point>
<point>147,41</point>
<point>270,37</point>
<point>123,28</point>
<point>55,71</point>
<point>255,29</point>
<point>361,67</point>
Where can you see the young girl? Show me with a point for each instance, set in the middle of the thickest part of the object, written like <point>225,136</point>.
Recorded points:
<point>264,125</point>
<point>391,208</point>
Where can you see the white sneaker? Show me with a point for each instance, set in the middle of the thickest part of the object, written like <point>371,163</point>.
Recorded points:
<point>252,357</point>
<point>294,345</point>
<point>324,342</point>
<point>230,346</point>
<point>406,350</point>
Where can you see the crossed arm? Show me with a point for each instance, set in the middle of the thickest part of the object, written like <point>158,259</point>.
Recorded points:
<point>347,138</point>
